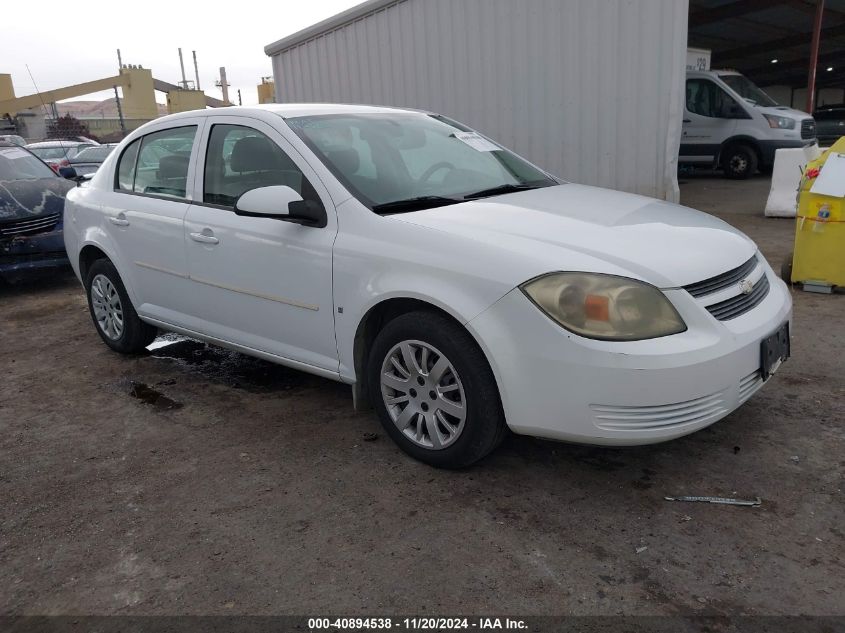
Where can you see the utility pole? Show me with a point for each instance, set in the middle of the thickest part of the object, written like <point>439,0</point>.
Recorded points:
<point>239,97</point>
<point>196,70</point>
<point>814,57</point>
<point>120,113</point>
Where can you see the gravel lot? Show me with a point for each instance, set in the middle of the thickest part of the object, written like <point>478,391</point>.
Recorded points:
<point>195,480</point>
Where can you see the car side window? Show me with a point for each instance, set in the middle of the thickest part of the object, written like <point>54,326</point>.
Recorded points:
<point>125,179</point>
<point>240,158</point>
<point>161,167</point>
<point>707,99</point>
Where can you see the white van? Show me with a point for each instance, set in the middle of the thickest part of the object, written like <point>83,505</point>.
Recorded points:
<point>732,124</point>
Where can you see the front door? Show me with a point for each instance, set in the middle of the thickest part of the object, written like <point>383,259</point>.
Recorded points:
<point>262,283</point>
<point>706,123</point>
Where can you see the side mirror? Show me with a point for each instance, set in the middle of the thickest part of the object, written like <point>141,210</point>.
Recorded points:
<point>281,203</point>
<point>68,172</point>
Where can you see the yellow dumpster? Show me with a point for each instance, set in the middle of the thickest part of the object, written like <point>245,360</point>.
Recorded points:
<point>818,261</point>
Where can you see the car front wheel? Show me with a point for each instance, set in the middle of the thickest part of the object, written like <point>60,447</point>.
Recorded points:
<point>113,314</point>
<point>434,391</point>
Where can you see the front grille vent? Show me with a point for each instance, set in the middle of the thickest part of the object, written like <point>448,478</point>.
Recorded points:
<point>30,226</point>
<point>720,282</point>
<point>740,304</point>
<point>808,128</point>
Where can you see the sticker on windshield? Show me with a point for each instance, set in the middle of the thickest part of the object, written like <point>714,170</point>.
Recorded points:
<point>13,152</point>
<point>477,142</point>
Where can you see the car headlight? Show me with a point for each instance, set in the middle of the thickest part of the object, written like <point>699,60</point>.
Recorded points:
<point>605,307</point>
<point>780,122</point>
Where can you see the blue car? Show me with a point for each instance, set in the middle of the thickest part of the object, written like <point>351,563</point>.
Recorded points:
<point>32,202</point>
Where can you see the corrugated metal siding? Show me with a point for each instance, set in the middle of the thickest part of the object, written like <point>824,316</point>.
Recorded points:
<point>589,90</point>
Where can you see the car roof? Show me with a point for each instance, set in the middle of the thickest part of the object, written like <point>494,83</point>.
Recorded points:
<point>56,144</point>
<point>286,110</point>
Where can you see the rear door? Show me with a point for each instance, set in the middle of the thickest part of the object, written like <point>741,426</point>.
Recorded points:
<point>261,283</point>
<point>705,125</point>
<point>145,213</point>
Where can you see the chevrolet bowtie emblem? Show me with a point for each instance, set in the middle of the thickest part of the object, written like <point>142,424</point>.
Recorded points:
<point>746,286</point>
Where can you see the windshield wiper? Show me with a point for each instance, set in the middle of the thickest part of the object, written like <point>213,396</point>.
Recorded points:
<point>414,204</point>
<point>495,191</point>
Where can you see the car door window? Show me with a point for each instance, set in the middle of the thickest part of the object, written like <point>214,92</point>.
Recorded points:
<point>705,98</point>
<point>240,158</point>
<point>125,178</point>
<point>161,167</point>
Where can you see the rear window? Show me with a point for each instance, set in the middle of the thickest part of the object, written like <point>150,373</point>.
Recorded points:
<point>50,153</point>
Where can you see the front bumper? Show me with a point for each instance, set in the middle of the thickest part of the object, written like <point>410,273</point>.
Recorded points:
<point>24,256</point>
<point>557,385</point>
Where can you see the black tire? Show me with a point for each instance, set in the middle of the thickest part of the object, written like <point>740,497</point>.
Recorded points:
<point>739,162</point>
<point>484,425</point>
<point>135,334</point>
<point>786,270</point>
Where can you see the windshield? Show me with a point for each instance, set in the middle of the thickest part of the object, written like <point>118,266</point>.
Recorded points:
<point>18,164</point>
<point>94,154</point>
<point>388,158</point>
<point>747,90</point>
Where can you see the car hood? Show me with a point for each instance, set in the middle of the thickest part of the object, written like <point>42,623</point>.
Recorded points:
<point>784,111</point>
<point>576,227</point>
<point>21,199</point>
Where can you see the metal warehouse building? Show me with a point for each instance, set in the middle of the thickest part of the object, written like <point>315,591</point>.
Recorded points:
<point>591,91</point>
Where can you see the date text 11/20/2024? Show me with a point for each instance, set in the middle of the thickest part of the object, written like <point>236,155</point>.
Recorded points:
<point>416,624</point>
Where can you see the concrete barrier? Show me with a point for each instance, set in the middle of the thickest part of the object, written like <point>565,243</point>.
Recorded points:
<point>786,176</point>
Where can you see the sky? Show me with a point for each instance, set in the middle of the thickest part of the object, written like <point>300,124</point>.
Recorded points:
<point>65,44</point>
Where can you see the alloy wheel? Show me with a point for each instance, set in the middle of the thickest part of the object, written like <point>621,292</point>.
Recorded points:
<point>423,394</point>
<point>107,307</point>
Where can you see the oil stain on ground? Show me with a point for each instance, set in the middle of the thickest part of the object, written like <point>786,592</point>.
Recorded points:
<point>228,367</point>
<point>153,397</point>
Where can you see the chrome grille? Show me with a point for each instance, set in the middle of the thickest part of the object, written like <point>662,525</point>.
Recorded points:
<point>808,128</point>
<point>740,304</point>
<point>720,282</point>
<point>30,226</point>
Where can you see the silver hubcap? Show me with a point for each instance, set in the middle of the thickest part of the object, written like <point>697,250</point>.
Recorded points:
<point>423,394</point>
<point>107,308</point>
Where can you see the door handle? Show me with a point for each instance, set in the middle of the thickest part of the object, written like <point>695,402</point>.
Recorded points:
<point>205,237</point>
<point>687,121</point>
<point>119,219</point>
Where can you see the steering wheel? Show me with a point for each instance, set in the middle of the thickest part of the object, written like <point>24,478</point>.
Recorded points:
<point>432,170</point>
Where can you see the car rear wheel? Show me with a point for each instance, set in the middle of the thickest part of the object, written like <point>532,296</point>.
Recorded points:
<point>113,314</point>
<point>739,162</point>
<point>434,391</point>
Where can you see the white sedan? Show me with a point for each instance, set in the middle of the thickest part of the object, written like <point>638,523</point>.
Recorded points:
<point>459,289</point>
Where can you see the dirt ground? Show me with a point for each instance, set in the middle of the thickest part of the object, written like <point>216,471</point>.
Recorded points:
<point>194,480</point>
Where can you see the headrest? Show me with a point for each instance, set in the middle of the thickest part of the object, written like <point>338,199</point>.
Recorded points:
<point>254,153</point>
<point>173,166</point>
<point>346,160</point>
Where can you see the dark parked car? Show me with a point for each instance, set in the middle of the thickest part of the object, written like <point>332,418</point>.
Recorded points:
<point>830,123</point>
<point>32,201</point>
<point>89,159</point>
<point>58,153</point>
